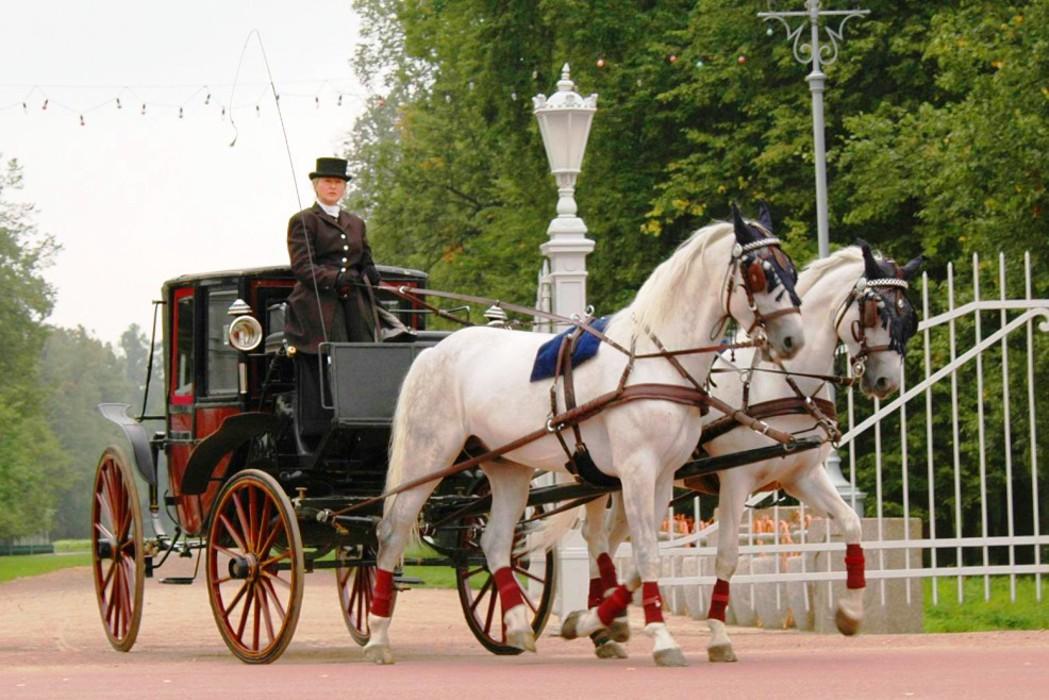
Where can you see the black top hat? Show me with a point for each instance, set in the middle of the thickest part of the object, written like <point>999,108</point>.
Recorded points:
<point>331,167</point>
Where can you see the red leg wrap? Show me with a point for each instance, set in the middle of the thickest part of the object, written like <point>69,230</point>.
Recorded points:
<point>854,565</point>
<point>382,596</point>
<point>652,601</point>
<point>719,600</point>
<point>509,591</point>
<point>608,572</point>
<point>597,593</point>
<point>613,605</point>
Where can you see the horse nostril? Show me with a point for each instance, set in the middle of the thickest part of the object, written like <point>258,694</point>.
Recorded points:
<point>788,342</point>
<point>882,383</point>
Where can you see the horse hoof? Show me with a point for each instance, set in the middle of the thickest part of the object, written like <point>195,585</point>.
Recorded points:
<point>619,630</point>
<point>569,626</point>
<point>523,640</point>
<point>669,657</point>
<point>721,652</point>
<point>378,653</point>
<point>847,624</point>
<point>610,650</point>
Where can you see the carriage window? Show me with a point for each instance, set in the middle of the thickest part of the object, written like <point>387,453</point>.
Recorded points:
<point>184,348</point>
<point>222,357</point>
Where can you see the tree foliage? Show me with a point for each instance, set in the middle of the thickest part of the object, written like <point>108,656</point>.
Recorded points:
<point>937,121</point>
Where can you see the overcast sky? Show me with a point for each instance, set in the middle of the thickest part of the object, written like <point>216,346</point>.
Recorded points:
<point>137,199</point>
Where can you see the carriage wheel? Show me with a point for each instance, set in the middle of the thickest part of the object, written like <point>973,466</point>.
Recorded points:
<point>255,567</point>
<point>117,557</point>
<point>355,583</point>
<point>536,574</point>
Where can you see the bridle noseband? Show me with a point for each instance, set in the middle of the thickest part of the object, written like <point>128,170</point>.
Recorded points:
<point>867,298</point>
<point>754,271</point>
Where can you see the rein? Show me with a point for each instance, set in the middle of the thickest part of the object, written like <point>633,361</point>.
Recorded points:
<point>696,395</point>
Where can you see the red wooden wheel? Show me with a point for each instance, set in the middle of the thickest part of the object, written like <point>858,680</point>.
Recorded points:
<point>255,567</point>
<point>355,583</point>
<point>535,573</point>
<point>117,556</point>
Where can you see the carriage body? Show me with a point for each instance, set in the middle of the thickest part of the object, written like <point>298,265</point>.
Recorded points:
<point>242,465</point>
<point>208,381</point>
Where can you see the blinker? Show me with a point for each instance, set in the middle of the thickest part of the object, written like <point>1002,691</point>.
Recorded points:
<point>756,279</point>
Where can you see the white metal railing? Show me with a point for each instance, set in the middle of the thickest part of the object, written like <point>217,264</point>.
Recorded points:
<point>947,535</point>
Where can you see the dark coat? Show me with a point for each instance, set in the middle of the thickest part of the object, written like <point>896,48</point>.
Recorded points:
<point>337,246</point>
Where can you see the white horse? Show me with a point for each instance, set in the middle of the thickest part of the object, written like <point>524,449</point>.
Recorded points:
<point>475,385</point>
<point>836,292</point>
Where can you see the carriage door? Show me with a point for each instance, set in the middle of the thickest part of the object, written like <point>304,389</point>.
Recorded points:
<point>182,389</point>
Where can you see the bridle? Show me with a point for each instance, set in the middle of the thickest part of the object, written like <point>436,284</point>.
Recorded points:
<point>753,261</point>
<point>866,296</point>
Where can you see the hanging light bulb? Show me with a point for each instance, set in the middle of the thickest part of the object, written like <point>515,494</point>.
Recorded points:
<point>143,109</point>
<point>119,106</point>
<point>82,120</point>
<point>179,112</point>
<point>44,106</point>
<point>207,99</point>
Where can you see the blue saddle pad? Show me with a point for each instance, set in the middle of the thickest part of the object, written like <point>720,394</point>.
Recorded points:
<point>585,348</point>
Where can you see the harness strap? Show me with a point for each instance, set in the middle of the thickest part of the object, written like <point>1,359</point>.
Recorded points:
<point>787,406</point>
<point>635,392</point>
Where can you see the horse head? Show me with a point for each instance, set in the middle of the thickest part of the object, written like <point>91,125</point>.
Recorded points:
<point>877,320</point>
<point>760,293</point>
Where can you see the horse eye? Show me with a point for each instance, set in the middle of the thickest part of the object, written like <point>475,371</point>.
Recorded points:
<point>900,304</point>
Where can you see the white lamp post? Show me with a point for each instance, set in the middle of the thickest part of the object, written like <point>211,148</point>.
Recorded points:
<point>564,123</point>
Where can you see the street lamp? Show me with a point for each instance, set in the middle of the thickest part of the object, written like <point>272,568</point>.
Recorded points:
<point>564,123</point>
<point>819,55</point>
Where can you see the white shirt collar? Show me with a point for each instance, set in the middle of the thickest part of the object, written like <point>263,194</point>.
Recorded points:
<point>332,210</point>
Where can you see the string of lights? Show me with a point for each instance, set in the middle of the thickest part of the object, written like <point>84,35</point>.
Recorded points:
<point>138,99</point>
<point>326,93</point>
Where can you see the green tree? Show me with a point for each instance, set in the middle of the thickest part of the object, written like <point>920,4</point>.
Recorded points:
<point>29,454</point>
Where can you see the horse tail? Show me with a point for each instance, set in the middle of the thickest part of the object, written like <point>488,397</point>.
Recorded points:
<point>551,530</point>
<point>412,387</point>
<point>424,435</point>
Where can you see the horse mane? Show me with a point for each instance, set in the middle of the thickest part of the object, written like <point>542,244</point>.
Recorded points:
<point>819,268</point>
<point>659,295</point>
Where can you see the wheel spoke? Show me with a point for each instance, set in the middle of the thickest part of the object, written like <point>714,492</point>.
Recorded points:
<point>263,522</point>
<point>271,537</point>
<point>253,523</point>
<point>257,615</point>
<point>480,594</point>
<point>232,533</point>
<point>244,612</point>
<point>228,552</point>
<point>286,554</point>
<point>107,579</point>
<point>529,574</point>
<point>528,601</point>
<point>246,541</point>
<point>491,611</point>
<point>268,587</point>
<point>478,570</point>
<point>262,603</point>
<point>276,578</point>
<point>236,598</point>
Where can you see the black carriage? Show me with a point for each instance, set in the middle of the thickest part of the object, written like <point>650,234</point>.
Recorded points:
<point>257,485</point>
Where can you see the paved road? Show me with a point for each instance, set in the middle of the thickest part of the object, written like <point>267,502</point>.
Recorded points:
<point>52,646</point>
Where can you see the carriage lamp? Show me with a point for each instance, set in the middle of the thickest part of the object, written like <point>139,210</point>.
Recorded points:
<point>245,332</point>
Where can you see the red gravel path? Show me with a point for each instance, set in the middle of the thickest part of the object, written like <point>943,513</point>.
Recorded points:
<point>52,646</point>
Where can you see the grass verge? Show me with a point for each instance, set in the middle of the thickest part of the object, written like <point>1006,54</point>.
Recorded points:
<point>36,564</point>
<point>975,614</point>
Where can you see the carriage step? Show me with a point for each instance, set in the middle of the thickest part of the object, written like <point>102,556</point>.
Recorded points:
<point>402,580</point>
<point>177,580</point>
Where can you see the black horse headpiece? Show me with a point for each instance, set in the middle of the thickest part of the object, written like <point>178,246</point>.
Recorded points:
<point>769,265</point>
<point>885,300</point>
